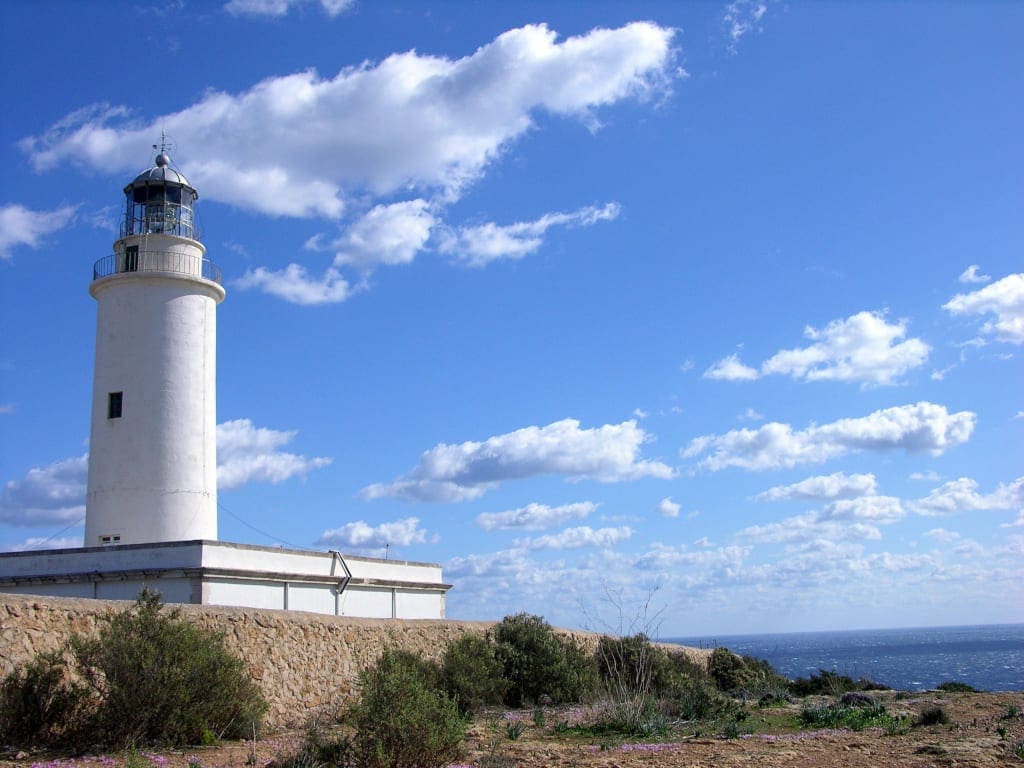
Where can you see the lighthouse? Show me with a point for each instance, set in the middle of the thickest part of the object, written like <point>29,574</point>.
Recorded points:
<point>152,445</point>
<point>151,496</point>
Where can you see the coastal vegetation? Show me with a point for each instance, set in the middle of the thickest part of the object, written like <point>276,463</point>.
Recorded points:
<point>150,680</point>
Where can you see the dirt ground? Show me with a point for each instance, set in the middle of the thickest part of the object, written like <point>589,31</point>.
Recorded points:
<point>983,730</point>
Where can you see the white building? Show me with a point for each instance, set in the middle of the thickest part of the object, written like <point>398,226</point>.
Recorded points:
<point>151,505</point>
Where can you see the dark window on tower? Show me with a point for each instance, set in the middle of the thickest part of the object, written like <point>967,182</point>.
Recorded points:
<point>114,405</point>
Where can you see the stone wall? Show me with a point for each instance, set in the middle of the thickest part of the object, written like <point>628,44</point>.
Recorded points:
<point>301,660</point>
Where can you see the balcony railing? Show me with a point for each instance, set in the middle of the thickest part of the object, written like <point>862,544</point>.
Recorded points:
<point>173,262</point>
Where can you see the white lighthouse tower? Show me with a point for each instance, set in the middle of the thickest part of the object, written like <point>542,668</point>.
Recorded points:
<point>151,503</point>
<point>153,448</point>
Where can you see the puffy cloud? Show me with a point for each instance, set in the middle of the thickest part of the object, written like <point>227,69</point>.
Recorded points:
<point>246,453</point>
<point>361,536</point>
<point>860,348</point>
<point>961,495</point>
<point>835,486</point>
<point>281,7</point>
<point>1004,299</point>
<point>50,495</point>
<point>576,538</point>
<point>303,145</point>
<point>877,509</point>
<point>812,527</point>
<point>55,494</point>
<point>669,508</point>
<point>731,369</point>
<point>480,245</point>
<point>913,428</point>
<point>742,17</point>
<point>387,234</point>
<point>534,517</point>
<point>22,226</point>
<point>296,286</point>
<point>972,275</point>
<point>449,473</point>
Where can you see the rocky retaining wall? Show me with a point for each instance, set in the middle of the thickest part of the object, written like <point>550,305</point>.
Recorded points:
<point>301,661</point>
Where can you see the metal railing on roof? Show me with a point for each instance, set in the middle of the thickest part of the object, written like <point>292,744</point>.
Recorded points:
<point>173,262</point>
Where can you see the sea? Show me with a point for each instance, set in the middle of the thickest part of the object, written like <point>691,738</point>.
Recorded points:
<point>988,657</point>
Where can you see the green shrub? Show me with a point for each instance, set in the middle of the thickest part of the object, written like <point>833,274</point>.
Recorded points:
<point>472,675</point>
<point>933,716</point>
<point>856,717</point>
<point>831,684</point>
<point>632,665</point>
<point>402,719</point>
<point>161,679</point>
<point>40,704</point>
<point>955,686</point>
<point>149,677</point>
<point>537,662</point>
<point>727,670</point>
<point>321,746</point>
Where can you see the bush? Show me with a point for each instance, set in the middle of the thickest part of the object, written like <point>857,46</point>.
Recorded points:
<point>149,677</point>
<point>537,662</point>
<point>955,686</point>
<point>41,705</point>
<point>161,679</point>
<point>933,716</point>
<point>472,675</point>
<point>855,717</point>
<point>632,665</point>
<point>402,719</point>
<point>727,670</point>
<point>831,684</point>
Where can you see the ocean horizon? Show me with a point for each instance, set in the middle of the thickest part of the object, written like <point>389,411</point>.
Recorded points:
<point>989,657</point>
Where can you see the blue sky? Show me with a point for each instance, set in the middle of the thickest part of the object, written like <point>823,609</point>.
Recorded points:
<point>712,306</point>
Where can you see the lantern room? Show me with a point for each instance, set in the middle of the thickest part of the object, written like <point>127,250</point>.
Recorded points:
<point>160,201</point>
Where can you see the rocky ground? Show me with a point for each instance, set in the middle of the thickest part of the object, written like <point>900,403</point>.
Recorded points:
<point>983,729</point>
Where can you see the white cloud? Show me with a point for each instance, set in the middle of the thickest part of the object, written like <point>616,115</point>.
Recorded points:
<point>809,528</point>
<point>387,234</point>
<point>912,428</point>
<point>835,486</point>
<point>246,454</point>
<point>50,495</point>
<point>480,245</point>
<point>930,476</point>
<point>22,226</point>
<point>971,275</point>
<point>278,8</point>
<point>534,517</point>
<point>6,408</point>
<point>362,536</point>
<point>1018,523</point>
<point>731,369</point>
<point>294,285</point>
<point>742,17</point>
<point>55,494</point>
<point>449,473</point>
<point>751,415</point>
<point>961,495</point>
<point>576,538</point>
<point>35,543</point>
<point>304,145</point>
<point>863,348</point>
<point>941,534</point>
<point>876,509</point>
<point>669,508</point>
<point>1004,299</point>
